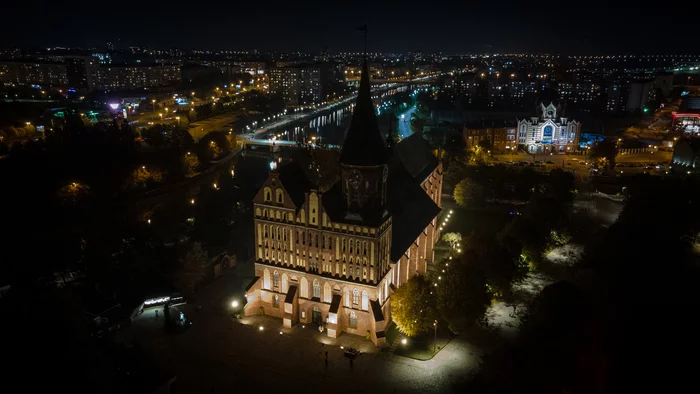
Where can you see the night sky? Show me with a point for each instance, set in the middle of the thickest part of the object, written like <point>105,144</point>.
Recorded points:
<point>568,27</point>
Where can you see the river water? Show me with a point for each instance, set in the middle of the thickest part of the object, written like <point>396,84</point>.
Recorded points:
<point>329,128</point>
<point>227,191</point>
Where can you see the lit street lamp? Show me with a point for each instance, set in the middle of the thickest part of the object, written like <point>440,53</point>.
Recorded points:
<point>435,336</point>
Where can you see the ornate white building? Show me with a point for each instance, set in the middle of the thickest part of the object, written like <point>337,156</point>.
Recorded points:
<point>547,133</point>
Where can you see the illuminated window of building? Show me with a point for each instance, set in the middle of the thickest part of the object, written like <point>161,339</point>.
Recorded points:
<point>276,279</point>
<point>327,293</point>
<point>276,301</point>
<point>365,300</point>
<point>355,297</point>
<point>266,279</point>
<point>317,289</point>
<point>353,319</point>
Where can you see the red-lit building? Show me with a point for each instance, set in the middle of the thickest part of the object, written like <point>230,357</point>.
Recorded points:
<point>688,116</point>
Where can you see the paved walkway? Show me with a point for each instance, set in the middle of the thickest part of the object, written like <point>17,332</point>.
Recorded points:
<point>221,354</point>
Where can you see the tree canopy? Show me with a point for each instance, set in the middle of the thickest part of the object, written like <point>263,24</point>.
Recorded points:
<point>413,307</point>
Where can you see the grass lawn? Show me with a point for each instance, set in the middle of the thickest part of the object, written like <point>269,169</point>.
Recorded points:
<point>421,347</point>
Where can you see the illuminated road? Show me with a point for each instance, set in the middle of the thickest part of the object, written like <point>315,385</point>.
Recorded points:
<point>405,123</point>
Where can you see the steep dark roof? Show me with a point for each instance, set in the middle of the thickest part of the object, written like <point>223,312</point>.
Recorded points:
<point>335,303</point>
<point>411,209</point>
<point>295,182</point>
<point>376,310</point>
<point>290,294</point>
<point>363,145</point>
<point>416,156</point>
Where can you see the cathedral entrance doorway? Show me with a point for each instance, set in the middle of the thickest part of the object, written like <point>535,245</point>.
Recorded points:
<point>316,315</point>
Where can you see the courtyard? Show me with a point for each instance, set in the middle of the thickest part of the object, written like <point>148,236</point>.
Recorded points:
<point>219,353</point>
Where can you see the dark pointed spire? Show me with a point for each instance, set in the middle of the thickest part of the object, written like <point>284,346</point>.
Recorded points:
<point>363,144</point>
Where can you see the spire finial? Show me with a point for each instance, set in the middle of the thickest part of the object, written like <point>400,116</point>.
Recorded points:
<point>364,29</point>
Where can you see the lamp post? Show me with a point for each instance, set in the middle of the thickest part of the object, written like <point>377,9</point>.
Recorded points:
<point>435,337</point>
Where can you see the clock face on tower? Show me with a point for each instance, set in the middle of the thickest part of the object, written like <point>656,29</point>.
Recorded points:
<point>355,179</point>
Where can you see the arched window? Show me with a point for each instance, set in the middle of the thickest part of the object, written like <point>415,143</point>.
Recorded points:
<point>327,293</point>
<point>276,279</point>
<point>364,247</point>
<point>265,230</point>
<point>365,300</point>
<point>317,289</point>
<point>344,244</point>
<point>351,245</point>
<point>355,297</point>
<point>280,196</point>
<point>276,301</point>
<point>290,217</point>
<point>347,298</point>
<point>304,288</point>
<point>353,319</point>
<point>268,194</point>
<point>266,279</point>
<point>357,272</point>
<point>285,280</point>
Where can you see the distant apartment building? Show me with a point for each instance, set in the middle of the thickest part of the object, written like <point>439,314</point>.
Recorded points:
<point>34,73</point>
<point>312,84</point>
<point>302,84</point>
<point>133,77</point>
<point>548,133</point>
<point>84,74</point>
<point>286,82</point>
<point>501,136</point>
<point>75,72</point>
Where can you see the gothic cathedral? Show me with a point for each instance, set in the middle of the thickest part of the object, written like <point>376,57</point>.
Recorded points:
<point>334,258</point>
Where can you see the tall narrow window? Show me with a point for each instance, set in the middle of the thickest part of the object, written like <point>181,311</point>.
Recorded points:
<point>276,279</point>
<point>317,289</point>
<point>353,319</point>
<point>355,297</point>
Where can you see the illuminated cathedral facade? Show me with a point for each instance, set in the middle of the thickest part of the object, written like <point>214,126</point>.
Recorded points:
<point>548,133</point>
<point>334,258</point>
